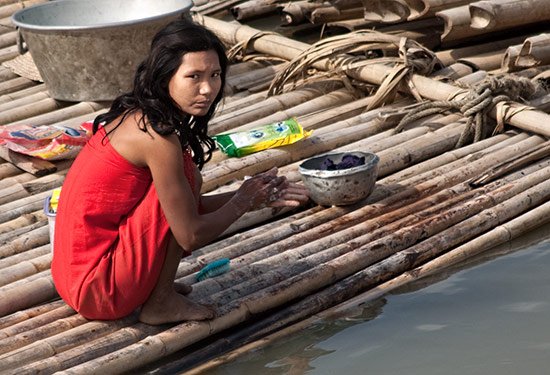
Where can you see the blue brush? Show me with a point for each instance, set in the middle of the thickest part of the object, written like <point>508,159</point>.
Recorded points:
<point>213,269</point>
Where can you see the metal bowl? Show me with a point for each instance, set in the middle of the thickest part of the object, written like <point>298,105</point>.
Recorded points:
<point>342,186</point>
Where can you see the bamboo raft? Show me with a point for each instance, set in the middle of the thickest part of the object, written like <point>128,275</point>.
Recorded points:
<point>438,199</point>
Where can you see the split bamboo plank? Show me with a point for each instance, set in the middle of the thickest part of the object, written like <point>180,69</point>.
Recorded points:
<point>499,14</point>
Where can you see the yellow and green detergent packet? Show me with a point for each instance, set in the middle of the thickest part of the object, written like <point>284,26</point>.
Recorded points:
<point>268,136</point>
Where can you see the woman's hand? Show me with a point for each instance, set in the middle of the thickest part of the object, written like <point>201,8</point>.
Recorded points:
<point>268,189</point>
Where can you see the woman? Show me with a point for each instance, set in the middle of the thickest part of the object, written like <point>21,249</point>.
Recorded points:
<point>130,206</point>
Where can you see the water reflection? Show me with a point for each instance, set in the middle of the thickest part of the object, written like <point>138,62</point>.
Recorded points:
<point>486,316</point>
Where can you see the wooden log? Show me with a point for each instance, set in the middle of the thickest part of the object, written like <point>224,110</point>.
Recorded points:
<point>8,39</point>
<point>13,210</point>
<point>32,98</point>
<point>500,14</point>
<point>6,54</point>
<point>21,231</point>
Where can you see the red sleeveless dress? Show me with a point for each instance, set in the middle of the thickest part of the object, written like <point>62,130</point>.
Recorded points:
<point>110,232</point>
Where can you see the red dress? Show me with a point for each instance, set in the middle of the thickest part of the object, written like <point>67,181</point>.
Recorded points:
<point>110,233</point>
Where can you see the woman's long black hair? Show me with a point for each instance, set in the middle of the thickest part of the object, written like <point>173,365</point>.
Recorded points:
<point>151,96</point>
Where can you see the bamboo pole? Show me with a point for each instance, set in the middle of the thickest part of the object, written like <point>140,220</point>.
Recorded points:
<point>253,9</point>
<point>19,232</point>
<point>8,39</point>
<point>535,51</point>
<point>29,294</point>
<point>386,11</point>
<point>10,325</point>
<point>9,97</point>
<point>25,256</point>
<point>500,14</point>
<point>297,12</point>
<point>33,98</point>
<point>13,343</point>
<point>427,8</point>
<point>174,339</point>
<point>530,120</point>
<point>15,84</point>
<point>329,220</point>
<point>13,210</point>
<point>263,109</point>
<point>68,338</point>
<point>36,237</point>
<point>9,9</point>
<point>331,14</point>
<point>30,110</point>
<point>8,169</point>
<point>498,235</point>
<point>8,53</point>
<point>66,113</point>
<point>25,268</point>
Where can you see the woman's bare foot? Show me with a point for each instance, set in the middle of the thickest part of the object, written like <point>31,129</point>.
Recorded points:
<point>182,288</point>
<point>172,308</point>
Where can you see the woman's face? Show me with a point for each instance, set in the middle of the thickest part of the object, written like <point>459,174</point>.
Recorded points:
<point>197,82</point>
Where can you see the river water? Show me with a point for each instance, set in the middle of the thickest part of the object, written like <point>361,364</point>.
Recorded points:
<point>490,315</point>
